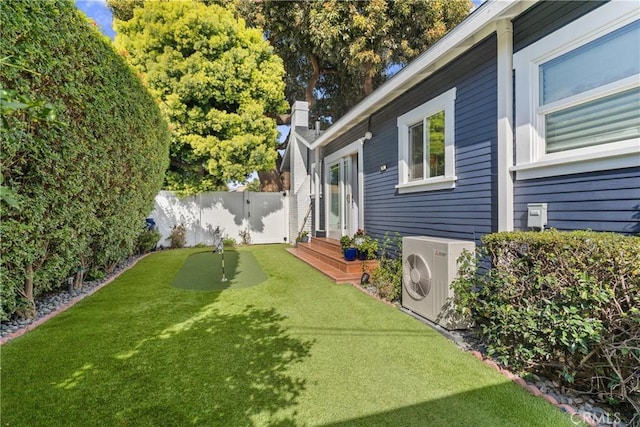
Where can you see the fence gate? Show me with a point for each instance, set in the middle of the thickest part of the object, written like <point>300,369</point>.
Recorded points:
<point>264,216</point>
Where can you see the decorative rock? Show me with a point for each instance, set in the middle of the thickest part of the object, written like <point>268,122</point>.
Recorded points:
<point>550,399</point>
<point>568,409</point>
<point>477,354</point>
<point>491,363</point>
<point>520,381</point>
<point>49,305</point>
<point>534,390</point>
<point>586,418</point>
<point>507,374</point>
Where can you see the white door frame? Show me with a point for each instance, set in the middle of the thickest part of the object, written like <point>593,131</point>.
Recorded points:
<point>351,149</point>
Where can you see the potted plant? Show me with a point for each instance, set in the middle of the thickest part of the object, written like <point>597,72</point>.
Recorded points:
<point>304,237</point>
<point>348,248</point>
<point>368,248</point>
<point>359,241</point>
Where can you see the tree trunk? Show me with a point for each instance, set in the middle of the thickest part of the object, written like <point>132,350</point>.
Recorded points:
<point>367,85</point>
<point>270,181</point>
<point>311,83</point>
<point>30,311</point>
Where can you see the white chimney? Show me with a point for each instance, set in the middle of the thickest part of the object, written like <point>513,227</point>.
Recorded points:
<point>317,127</point>
<point>301,114</point>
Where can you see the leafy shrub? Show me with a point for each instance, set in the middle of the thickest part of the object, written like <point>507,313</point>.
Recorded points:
<point>178,237</point>
<point>83,156</point>
<point>387,278</point>
<point>147,240</point>
<point>229,241</point>
<point>566,304</point>
<point>245,236</point>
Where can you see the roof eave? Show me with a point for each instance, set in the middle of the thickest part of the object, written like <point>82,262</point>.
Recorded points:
<point>475,27</point>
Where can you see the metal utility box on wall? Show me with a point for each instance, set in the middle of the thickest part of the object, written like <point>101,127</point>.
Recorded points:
<point>536,215</point>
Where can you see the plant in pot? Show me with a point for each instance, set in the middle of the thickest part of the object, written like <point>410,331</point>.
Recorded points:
<point>304,237</point>
<point>368,249</point>
<point>366,245</point>
<point>348,248</point>
<point>359,242</point>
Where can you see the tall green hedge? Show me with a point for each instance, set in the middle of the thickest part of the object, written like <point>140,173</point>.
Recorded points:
<point>84,150</point>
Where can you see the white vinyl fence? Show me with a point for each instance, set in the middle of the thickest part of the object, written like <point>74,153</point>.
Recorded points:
<point>263,215</point>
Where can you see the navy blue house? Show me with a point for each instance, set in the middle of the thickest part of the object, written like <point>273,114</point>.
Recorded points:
<point>522,103</point>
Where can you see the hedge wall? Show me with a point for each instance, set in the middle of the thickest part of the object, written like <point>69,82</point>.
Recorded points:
<point>84,150</point>
<point>566,304</point>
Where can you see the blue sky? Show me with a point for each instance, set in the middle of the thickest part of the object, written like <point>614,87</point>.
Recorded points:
<point>98,10</point>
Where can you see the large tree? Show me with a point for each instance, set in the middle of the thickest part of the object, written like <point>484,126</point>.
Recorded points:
<point>336,52</point>
<point>217,81</point>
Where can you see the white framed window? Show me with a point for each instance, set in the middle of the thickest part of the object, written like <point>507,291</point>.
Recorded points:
<point>578,96</point>
<point>426,150</point>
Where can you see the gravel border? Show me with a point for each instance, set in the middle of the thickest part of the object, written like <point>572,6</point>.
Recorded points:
<point>54,303</point>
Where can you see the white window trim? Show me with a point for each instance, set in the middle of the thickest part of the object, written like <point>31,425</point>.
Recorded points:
<point>531,159</point>
<point>312,175</point>
<point>443,102</point>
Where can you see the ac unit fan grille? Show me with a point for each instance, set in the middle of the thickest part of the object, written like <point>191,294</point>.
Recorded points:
<point>416,277</point>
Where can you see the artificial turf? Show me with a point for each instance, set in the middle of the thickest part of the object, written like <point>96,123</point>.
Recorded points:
<point>294,350</point>
<point>203,271</point>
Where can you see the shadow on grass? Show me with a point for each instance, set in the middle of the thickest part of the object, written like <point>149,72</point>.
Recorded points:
<point>471,408</point>
<point>215,368</point>
<point>220,369</point>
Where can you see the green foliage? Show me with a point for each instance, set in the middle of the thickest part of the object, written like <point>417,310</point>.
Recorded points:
<point>228,241</point>
<point>387,278</point>
<point>565,304</point>
<point>178,237</point>
<point>216,80</point>
<point>366,245</point>
<point>245,236</point>
<point>84,149</point>
<point>147,240</point>
<point>336,52</point>
<point>346,242</point>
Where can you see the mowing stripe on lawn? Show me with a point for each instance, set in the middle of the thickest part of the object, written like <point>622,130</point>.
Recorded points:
<point>202,271</point>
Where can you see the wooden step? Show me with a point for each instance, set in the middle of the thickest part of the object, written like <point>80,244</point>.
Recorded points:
<point>328,253</point>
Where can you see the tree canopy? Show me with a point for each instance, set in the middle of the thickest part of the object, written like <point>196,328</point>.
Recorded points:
<point>217,81</point>
<point>336,52</point>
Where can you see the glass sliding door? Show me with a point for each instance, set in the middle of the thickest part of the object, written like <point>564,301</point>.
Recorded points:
<point>340,197</point>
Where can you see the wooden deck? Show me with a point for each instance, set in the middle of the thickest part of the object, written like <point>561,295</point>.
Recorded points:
<point>325,255</point>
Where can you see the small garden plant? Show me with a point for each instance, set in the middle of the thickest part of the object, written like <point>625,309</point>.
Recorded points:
<point>387,278</point>
<point>178,237</point>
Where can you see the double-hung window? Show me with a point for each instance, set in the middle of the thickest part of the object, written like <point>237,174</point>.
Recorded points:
<point>578,96</point>
<point>426,145</point>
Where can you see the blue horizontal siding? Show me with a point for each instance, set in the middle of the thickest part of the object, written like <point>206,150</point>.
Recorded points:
<point>600,201</point>
<point>546,17</point>
<point>466,211</point>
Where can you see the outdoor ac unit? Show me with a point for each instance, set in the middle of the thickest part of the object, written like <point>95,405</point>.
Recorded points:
<point>429,265</point>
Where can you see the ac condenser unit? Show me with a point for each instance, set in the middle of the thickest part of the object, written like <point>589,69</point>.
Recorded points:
<point>429,265</point>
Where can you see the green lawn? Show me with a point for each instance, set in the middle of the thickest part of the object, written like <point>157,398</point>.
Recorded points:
<point>293,350</point>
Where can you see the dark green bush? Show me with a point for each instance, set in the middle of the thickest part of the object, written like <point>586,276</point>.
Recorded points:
<point>566,304</point>
<point>83,157</point>
<point>147,240</point>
